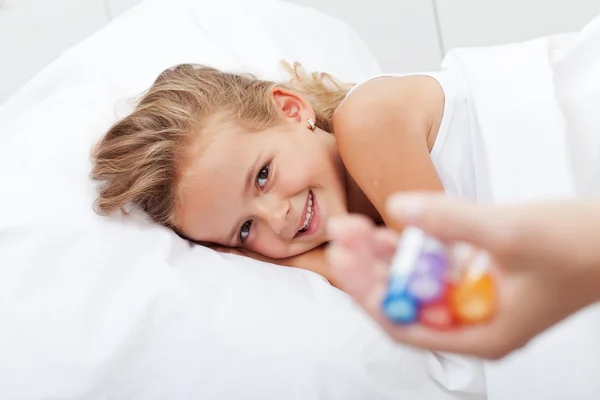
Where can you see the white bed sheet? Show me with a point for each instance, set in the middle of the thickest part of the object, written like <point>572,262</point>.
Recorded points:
<point>539,102</point>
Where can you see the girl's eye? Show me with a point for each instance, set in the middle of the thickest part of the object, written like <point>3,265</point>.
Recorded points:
<point>245,231</point>
<point>263,176</point>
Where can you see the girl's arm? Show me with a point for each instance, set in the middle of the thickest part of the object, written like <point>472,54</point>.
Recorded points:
<point>383,130</point>
<point>313,260</point>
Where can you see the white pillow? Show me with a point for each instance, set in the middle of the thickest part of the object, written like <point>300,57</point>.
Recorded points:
<point>112,308</point>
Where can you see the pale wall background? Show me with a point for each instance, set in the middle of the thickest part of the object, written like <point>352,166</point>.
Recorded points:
<point>404,35</point>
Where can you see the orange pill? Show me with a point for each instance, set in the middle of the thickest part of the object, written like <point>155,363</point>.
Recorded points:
<point>473,299</point>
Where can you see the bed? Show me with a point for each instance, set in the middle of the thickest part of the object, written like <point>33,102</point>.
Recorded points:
<point>119,308</point>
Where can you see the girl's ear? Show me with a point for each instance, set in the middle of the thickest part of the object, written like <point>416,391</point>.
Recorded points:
<point>291,105</point>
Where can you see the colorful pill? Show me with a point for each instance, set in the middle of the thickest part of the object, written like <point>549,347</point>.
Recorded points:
<point>438,315</point>
<point>428,281</point>
<point>425,287</point>
<point>399,306</point>
<point>472,300</point>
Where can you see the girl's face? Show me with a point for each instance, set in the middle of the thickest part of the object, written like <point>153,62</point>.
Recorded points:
<point>270,191</point>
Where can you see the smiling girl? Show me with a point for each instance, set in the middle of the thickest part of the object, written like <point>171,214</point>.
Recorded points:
<point>234,161</point>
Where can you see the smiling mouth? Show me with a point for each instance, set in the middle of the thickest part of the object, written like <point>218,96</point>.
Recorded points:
<point>308,217</point>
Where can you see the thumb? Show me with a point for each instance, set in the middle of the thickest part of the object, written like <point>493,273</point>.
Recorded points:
<point>446,218</point>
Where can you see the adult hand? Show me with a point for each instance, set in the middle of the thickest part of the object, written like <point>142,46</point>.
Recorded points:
<point>545,256</point>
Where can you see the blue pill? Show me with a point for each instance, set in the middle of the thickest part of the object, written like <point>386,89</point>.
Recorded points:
<point>400,307</point>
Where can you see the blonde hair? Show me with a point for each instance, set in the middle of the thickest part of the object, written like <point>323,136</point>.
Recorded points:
<point>139,162</point>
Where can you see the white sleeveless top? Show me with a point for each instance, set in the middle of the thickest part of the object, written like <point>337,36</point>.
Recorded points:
<point>452,152</point>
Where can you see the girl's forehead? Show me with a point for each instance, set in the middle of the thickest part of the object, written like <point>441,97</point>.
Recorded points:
<point>230,140</point>
<point>224,159</point>
<point>217,127</point>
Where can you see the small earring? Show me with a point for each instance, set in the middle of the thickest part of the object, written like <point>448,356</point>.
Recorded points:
<point>311,125</point>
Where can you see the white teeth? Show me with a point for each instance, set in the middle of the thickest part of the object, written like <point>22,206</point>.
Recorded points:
<point>309,213</point>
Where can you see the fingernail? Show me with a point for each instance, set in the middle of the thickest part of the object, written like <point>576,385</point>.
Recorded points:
<point>405,207</point>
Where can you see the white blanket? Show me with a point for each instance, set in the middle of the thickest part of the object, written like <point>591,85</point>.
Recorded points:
<point>105,308</point>
<point>536,135</point>
<point>96,308</point>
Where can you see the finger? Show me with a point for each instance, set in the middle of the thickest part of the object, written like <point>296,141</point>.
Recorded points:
<point>479,341</point>
<point>352,273</point>
<point>385,242</point>
<point>362,245</point>
<point>449,219</point>
<point>489,339</point>
<point>349,230</point>
<point>486,340</point>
